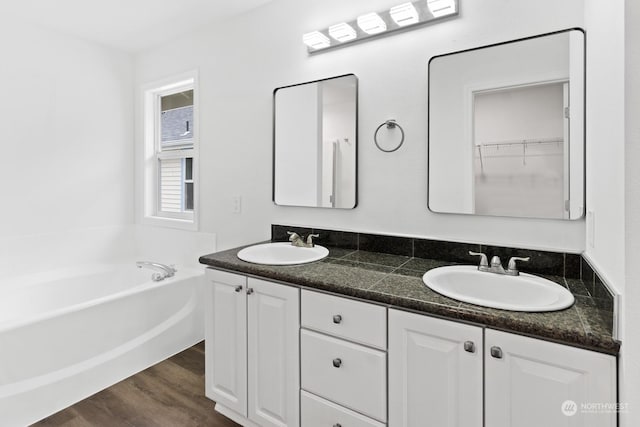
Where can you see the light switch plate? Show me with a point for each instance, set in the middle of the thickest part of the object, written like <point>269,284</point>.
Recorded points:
<point>236,205</point>
<point>591,228</point>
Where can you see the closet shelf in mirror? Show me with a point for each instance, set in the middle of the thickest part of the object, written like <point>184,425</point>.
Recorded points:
<point>523,149</point>
<point>556,140</point>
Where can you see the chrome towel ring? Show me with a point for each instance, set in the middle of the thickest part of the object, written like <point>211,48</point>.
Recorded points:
<point>390,124</point>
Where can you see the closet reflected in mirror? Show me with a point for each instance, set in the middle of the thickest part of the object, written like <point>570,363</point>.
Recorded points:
<point>315,143</point>
<point>506,129</point>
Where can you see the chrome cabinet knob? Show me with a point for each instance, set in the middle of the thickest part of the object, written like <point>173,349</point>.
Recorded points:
<point>249,291</point>
<point>469,346</point>
<point>337,319</point>
<point>337,362</point>
<point>337,425</point>
<point>238,288</point>
<point>496,352</point>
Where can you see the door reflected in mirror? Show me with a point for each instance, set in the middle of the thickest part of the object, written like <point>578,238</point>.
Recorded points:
<point>506,129</point>
<point>315,143</point>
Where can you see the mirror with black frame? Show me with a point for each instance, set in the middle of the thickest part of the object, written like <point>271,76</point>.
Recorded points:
<point>506,128</point>
<point>315,143</point>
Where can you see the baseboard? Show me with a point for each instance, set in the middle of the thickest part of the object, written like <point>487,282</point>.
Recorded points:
<point>234,416</point>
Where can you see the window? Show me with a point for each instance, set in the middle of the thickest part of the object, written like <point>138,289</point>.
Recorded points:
<point>171,152</point>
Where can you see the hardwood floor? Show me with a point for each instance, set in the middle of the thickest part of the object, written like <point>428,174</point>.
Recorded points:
<point>169,394</point>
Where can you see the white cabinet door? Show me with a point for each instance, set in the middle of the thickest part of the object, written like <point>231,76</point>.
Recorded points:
<point>532,383</point>
<point>273,356</point>
<point>226,340</point>
<point>433,380</point>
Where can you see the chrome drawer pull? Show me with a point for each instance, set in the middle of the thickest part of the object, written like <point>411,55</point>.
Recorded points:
<point>337,363</point>
<point>496,352</point>
<point>337,319</point>
<point>469,346</point>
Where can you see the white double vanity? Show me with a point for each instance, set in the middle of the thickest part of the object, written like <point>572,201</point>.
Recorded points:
<point>281,355</point>
<point>328,348</point>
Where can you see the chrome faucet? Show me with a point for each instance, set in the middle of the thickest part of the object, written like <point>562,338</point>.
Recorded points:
<point>512,269</point>
<point>296,240</point>
<point>484,264</point>
<point>496,264</point>
<point>162,270</point>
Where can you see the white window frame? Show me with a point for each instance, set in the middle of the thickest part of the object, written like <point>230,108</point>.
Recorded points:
<point>152,153</point>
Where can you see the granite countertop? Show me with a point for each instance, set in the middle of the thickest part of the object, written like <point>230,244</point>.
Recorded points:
<point>396,281</point>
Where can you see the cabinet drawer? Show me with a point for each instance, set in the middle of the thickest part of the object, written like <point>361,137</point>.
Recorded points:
<point>345,318</point>
<point>317,412</point>
<point>348,374</point>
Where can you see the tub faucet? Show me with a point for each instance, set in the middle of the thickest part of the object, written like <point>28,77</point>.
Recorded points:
<point>162,270</point>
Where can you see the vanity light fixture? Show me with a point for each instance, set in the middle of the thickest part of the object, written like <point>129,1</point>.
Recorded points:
<point>401,17</point>
<point>342,32</point>
<point>316,40</point>
<point>371,23</point>
<point>404,14</point>
<point>440,8</point>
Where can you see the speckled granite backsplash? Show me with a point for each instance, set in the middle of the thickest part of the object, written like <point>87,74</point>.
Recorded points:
<point>581,278</point>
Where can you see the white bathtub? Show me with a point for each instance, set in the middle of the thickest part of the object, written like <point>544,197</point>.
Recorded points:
<point>65,335</point>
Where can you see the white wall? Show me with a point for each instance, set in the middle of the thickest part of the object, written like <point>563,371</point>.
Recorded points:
<point>66,131</point>
<point>299,129</point>
<point>338,126</point>
<point>44,252</point>
<point>243,60</point>
<point>519,180</point>
<point>605,152</point>
<point>613,170</point>
<point>630,361</point>
<point>171,246</point>
<point>605,138</point>
<point>66,169</point>
<point>531,112</point>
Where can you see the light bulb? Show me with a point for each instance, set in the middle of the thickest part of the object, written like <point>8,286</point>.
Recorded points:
<point>440,8</point>
<point>404,14</point>
<point>371,23</point>
<point>342,32</point>
<point>316,40</point>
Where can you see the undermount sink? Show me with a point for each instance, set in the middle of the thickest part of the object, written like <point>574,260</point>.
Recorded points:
<point>282,253</point>
<point>525,292</point>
